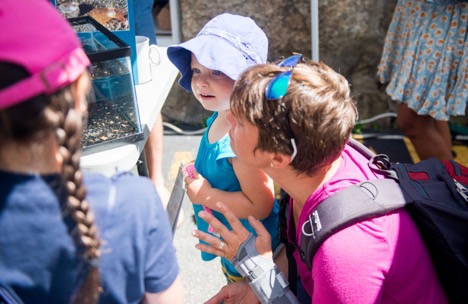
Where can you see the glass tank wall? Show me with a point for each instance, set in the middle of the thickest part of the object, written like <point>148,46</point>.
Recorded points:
<point>113,118</point>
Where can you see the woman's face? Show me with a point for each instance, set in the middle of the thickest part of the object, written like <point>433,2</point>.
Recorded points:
<point>212,88</point>
<point>244,141</point>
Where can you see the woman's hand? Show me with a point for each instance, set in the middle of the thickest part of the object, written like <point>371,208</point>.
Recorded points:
<point>231,239</point>
<point>235,293</point>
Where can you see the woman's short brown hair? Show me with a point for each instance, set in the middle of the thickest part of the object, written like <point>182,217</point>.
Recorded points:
<point>320,109</point>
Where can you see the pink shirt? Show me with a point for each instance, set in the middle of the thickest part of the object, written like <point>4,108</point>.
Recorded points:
<point>382,260</point>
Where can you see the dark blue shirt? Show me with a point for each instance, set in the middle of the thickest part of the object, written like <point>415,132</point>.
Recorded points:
<point>38,256</point>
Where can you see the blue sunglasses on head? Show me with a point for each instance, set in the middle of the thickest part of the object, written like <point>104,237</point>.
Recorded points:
<point>278,87</point>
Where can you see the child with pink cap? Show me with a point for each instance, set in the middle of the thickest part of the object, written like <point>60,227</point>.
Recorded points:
<point>209,64</point>
<point>67,236</point>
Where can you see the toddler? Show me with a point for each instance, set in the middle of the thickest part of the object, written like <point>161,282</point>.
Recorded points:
<point>209,64</point>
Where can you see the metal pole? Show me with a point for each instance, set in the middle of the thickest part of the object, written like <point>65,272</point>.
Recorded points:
<point>175,21</point>
<point>314,29</point>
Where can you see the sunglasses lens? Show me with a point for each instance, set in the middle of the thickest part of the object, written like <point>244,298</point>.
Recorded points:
<point>290,61</point>
<point>278,87</point>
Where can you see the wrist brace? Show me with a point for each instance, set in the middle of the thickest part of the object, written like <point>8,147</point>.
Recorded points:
<point>266,280</point>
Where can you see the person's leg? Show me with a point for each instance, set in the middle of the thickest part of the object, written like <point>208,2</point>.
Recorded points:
<point>154,155</point>
<point>144,26</point>
<point>444,130</point>
<point>144,22</point>
<point>154,158</point>
<point>428,136</point>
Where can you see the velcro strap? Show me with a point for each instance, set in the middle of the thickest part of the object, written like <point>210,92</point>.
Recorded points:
<point>267,281</point>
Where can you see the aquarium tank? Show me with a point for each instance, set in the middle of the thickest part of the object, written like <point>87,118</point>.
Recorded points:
<point>113,117</point>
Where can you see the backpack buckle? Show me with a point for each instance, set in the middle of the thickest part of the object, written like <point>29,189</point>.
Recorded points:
<point>461,189</point>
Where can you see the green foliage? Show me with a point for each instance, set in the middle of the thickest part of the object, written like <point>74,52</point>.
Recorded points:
<point>357,129</point>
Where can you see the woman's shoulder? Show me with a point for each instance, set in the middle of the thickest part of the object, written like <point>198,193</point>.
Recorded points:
<point>124,181</point>
<point>123,190</point>
<point>135,231</point>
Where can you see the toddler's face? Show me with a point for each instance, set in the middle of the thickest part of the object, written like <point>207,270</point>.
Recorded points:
<point>211,87</point>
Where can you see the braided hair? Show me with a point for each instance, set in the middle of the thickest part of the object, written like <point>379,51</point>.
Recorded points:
<point>35,119</point>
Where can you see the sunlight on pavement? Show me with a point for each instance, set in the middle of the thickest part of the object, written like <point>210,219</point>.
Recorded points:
<point>179,157</point>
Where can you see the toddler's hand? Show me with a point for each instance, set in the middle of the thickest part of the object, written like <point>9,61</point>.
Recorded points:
<point>190,171</point>
<point>196,186</point>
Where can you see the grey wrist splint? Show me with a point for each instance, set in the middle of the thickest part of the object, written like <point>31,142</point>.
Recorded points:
<point>266,280</point>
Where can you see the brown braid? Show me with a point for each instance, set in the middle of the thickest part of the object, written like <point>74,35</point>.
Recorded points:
<point>33,120</point>
<point>85,233</point>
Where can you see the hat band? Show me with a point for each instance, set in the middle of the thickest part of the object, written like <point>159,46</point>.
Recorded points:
<point>234,41</point>
<point>56,75</point>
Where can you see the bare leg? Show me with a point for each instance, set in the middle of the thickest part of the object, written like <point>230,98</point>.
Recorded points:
<point>444,130</point>
<point>429,137</point>
<point>154,156</point>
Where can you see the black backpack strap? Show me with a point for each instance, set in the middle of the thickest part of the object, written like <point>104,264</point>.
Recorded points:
<point>283,228</point>
<point>379,163</point>
<point>347,207</point>
<point>361,148</point>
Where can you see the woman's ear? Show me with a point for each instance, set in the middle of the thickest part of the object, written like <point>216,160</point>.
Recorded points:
<point>280,160</point>
<point>81,88</point>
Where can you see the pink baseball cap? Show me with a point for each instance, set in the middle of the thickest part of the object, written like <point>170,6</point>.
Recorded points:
<point>36,37</point>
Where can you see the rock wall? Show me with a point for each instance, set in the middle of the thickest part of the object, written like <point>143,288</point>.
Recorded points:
<point>351,35</point>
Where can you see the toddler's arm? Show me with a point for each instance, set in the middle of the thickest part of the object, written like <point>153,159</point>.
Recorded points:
<point>256,197</point>
<point>257,191</point>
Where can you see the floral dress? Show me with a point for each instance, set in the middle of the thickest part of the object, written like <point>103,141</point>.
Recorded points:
<point>425,57</point>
